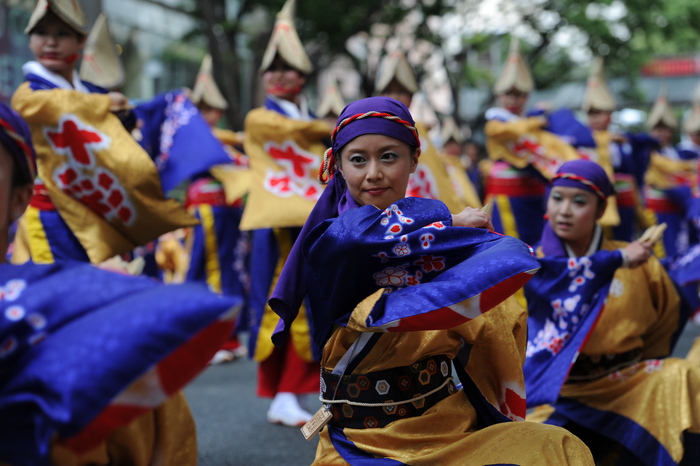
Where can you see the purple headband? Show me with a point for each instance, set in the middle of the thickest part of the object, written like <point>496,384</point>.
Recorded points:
<point>373,115</point>
<point>584,174</point>
<point>17,139</point>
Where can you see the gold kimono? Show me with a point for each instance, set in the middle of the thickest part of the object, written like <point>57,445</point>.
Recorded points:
<point>637,326</point>
<point>447,433</point>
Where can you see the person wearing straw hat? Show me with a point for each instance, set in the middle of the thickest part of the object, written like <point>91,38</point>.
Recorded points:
<point>396,284</point>
<point>102,66</point>
<point>671,173</point>
<point>396,79</point>
<point>628,154</point>
<point>522,153</point>
<point>216,248</point>
<point>691,125</point>
<point>99,194</point>
<point>452,141</point>
<point>685,268</point>
<point>603,319</point>
<point>331,103</point>
<point>93,361</point>
<point>284,142</point>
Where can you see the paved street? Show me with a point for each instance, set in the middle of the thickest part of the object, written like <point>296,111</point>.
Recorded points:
<point>231,420</point>
<point>231,424</point>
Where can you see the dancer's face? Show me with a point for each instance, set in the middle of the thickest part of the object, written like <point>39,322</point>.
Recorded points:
<point>376,169</point>
<point>55,45</point>
<point>572,214</point>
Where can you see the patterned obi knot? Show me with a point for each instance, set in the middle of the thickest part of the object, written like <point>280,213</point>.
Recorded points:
<point>375,399</point>
<point>587,368</point>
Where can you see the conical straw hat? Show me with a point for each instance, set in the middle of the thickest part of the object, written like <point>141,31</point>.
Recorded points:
<point>69,11</point>
<point>516,74</point>
<point>396,66</point>
<point>205,89</point>
<point>101,63</point>
<point>285,42</point>
<point>661,113</point>
<point>332,103</point>
<point>450,131</point>
<point>598,95</point>
<point>692,123</point>
<point>696,95</point>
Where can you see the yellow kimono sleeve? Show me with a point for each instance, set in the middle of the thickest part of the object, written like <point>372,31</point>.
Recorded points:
<point>664,173</point>
<point>509,130</point>
<point>41,107</point>
<point>665,299</point>
<point>226,136</point>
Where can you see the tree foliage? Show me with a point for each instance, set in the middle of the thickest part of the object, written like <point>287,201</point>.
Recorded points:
<point>559,37</point>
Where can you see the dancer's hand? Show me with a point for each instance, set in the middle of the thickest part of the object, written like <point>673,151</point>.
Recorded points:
<point>471,217</point>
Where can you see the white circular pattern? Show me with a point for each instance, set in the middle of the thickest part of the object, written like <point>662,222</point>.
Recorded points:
<point>14,313</point>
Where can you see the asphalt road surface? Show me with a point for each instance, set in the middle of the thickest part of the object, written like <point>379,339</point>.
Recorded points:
<point>233,430</point>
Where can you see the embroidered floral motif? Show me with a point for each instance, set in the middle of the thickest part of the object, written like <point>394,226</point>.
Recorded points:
<point>384,257</point>
<point>402,250</point>
<point>431,263</point>
<point>413,280</point>
<point>549,338</point>
<point>12,290</point>
<point>426,239</point>
<point>395,229</point>
<point>556,345</point>
<point>390,276</point>
<point>580,271</point>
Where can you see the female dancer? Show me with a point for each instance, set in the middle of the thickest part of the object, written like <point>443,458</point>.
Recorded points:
<point>394,284</point>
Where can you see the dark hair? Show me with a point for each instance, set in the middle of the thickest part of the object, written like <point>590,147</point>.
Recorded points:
<point>19,179</point>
